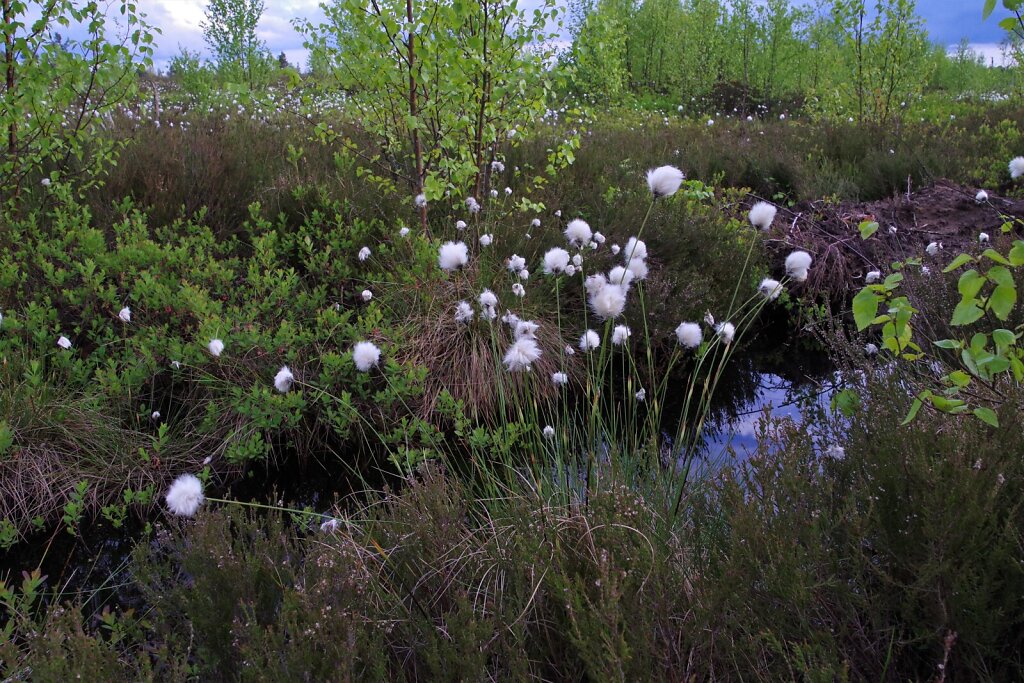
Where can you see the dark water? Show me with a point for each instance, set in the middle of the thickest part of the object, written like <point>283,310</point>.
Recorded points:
<point>785,377</point>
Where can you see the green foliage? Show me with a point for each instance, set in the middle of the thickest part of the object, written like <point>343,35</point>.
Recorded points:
<point>230,31</point>
<point>57,90</point>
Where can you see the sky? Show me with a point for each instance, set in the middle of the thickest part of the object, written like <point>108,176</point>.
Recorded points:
<point>947,22</point>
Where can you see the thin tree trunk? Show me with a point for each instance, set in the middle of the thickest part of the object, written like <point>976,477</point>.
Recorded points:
<point>414,113</point>
<point>12,127</point>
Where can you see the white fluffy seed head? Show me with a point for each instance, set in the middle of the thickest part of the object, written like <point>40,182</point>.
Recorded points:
<point>664,180</point>
<point>556,260</point>
<point>63,342</point>
<point>726,332</point>
<point>485,240</point>
<point>797,265</point>
<point>516,263</point>
<point>570,270</point>
<point>365,355</point>
<point>521,355</point>
<point>403,232</point>
<point>367,295</point>
<point>559,378</point>
<point>635,249</point>
<point>364,253</point>
<point>608,302</point>
<point>488,299</point>
<point>870,349</point>
<point>577,260</point>
<point>578,232</point>
<point>589,340</point>
<point>185,495</point>
<point>519,290</point>
<point>616,249</point>
<point>283,380</point>
<point>689,335</point>
<point>125,314</point>
<point>981,197</point>
<point>524,274</point>
<point>872,276</point>
<point>638,267</point>
<point>216,347</point>
<point>770,289</point>
<point>761,215</point>
<point>452,255</point>
<point>594,283</point>
<point>620,334</point>
<point>983,237</point>
<point>1016,167</point>
<point>525,329</point>
<point>549,432</point>
<point>420,201</point>
<point>535,223</point>
<point>460,225</point>
<point>641,395</point>
<point>463,312</point>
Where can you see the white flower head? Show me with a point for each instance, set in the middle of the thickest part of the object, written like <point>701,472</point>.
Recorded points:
<point>594,283</point>
<point>608,302</point>
<point>486,239</point>
<point>535,223</point>
<point>570,270</point>
<point>1016,167</point>
<point>125,314</point>
<point>185,495</point>
<point>522,354</point>
<point>761,215</point>
<point>616,249</point>
<point>155,415</point>
<point>420,201</point>
<point>510,319</point>
<point>726,332</point>
<point>577,260</point>
<point>508,191</point>
<point>45,182</point>
<point>641,395</point>
<point>549,432</point>
<point>367,295</point>
<point>494,194</point>
<point>635,249</point>
<point>664,181</point>
<point>364,253</point>
<point>770,289</point>
<point>283,380</point>
<point>620,335</point>
<point>365,355</point>
<point>872,276</point>
<point>870,349</point>
<point>497,166</point>
<point>519,290</point>
<point>330,525</point>
<point>981,197</point>
<point>558,213</point>
<point>473,205</point>
<point>638,267</point>
<point>463,312</point>
<point>599,238</point>
<point>460,225</point>
<point>983,237</point>
<point>709,319</point>
<point>452,255</point>
<point>797,265</point>
<point>556,260</point>
<point>559,378</point>
<point>216,347</point>
<point>589,340</point>
<point>578,232</point>
<point>569,350</point>
<point>525,329</point>
<point>689,335</point>
<point>524,274</point>
<point>403,232</point>
<point>515,263</point>
<point>489,304</point>
<point>834,452</point>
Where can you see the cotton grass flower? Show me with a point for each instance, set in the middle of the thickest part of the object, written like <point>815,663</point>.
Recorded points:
<point>486,240</point>
<point>452,256</point>
<point>420,201</point>
<point>185,495</point>
<point>125,314</point>
<point>616,249</point>
<point>526,329</point>
<point>761,215</point>
<point>578,232</point>
<point>521,355</point>
<point>519,290</point>
<point>524,274</point>
<point>870,349</point>
<point>577,260</point>
<point>933,248</point>
<point>367,295</point>
<point>620,335</point>
<point>535,223</point>
<point>364,253</point>
<point>608,302</point>
<point>329,526</point>
<point>403,232</point>
<point>641,395</point>
<point>45,182</point>
<point>872,276</point>
<point>473,205</point>
<point>770,289</point>
<point>216,347</point>
<point>689,335</point>
<point>463,312</point>
<point>569,350</point>
<point>556,260</point>
<point>559,379</point>
<point>635,249</point>
<point>664,181</point>
<point>515,263</point>
<point>283,380</point>
<point>1016,167</point>
<point>726,332</point>
<point>594,283</point>
<point>797,265</point>
<point>548,432</point>
<point>460,225</point>
<point>488,304</point>
<point>365,355</point>
<point>638,267</point>
<point>63,342</point>
<point>983,237</point>
<point>981,197</point>
<point>589,340</point>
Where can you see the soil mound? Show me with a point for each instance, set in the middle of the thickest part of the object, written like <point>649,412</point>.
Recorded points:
<point>945,213</point>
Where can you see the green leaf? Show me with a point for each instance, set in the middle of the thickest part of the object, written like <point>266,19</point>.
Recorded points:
<point>957,262</point>
<point>959,378</point>
<point>986,415</point>
<point>966,312</point>
<point>867,229</point>
<point>994,255</point>
<point>1008,24</point>
<point>916,406</point>
<point>865,308</point>
<point>990,5</point>
<point>947,344</point>
<point>1017,253</point>
<point>846,402</point>
<point>1003,338</point>
<point>970,283</point>
<point>1002,301</point>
